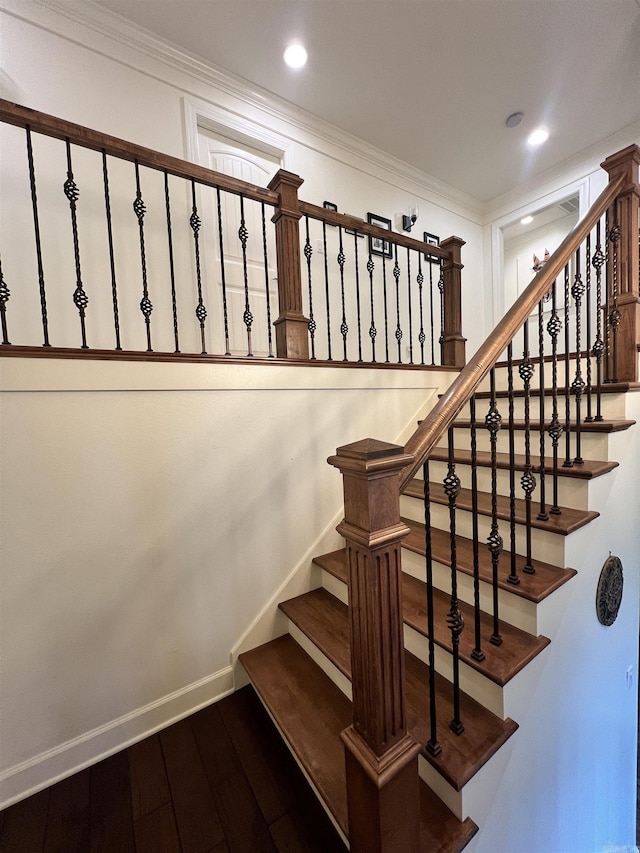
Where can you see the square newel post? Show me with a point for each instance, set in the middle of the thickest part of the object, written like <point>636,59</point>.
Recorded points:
<point>381,756</point>
<point>292,338</point>
<point>626,163</point>
<point>452,348</point>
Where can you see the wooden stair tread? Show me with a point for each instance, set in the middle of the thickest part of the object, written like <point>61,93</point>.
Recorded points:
<point>563,524</point>
<point>536,587</point>
<point>584,471</point>
<point>462,755</point>
<point>605,426</point>
<point>311,712</point>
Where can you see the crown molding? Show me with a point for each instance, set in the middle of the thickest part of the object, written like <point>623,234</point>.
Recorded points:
<point>140,43</point>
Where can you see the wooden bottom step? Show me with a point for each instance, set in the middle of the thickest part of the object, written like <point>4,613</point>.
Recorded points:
<point>311,711</point>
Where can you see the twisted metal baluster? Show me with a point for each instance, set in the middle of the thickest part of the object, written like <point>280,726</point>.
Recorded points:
<point>441,289</point>
<point>477,653</point>
<point>145,303</point>
<point>326,288</point>
<point>433,339</point>
<point>308,253</point>
<point>386,312</point>
<point>409,305</point>
<point>513,574</point>
<point>587,263</point>
<point>196,223</point>
<point>223,279</point>
<point>454,617</point>
<point>433,747</point>
<point>615,316</point>
<point>607,325</point>
<point>396,275</point>
<point>372,327</point>
<point>568,462</point>
<point>36,228</point>
<point>542,514</point>
<point>554,327</point>
<point>528,481</point>
<point>493,421</point>
<point>80,298</point>
<point>597,262</point>
<point>112,263</point>
<point>344,328</point>
<point>577,386</point>
<point>247,316</point>
<point>357,269</point>
<point>421,335</point>
<point>174,304</point>
<point>5,293</point>
<point>268,291</point>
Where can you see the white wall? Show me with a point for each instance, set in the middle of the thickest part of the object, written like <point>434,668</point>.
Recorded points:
<point>149,511</point>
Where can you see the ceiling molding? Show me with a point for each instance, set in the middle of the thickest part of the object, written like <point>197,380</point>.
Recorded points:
<point>143,43</point>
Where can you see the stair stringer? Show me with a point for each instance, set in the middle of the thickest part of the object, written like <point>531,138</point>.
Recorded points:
<point>568,777</point>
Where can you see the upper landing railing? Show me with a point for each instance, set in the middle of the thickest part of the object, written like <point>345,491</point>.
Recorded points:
<point>119,251</point>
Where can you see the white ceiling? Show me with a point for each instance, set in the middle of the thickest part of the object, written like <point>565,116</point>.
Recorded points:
<point>431,81</point>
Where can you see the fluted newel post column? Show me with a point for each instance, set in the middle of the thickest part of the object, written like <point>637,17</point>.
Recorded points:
<point>292,336</point>
<point>381,756</point>
<point>452,342</point>
<point>626,162</point>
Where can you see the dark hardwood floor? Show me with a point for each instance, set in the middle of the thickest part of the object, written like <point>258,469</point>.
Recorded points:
<point>221,781</point>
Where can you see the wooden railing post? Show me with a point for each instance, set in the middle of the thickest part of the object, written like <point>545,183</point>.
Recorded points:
<point>453,343</point>
<point>292,338</point>
<point>626,163</point>
<point>381,756</point>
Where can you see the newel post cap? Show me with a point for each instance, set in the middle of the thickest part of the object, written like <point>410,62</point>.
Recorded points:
<point>370,456</point>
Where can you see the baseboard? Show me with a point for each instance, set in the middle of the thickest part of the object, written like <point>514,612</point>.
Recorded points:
<point>68,758</point>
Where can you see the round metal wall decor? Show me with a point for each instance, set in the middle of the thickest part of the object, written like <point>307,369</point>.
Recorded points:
<point>609,594</point>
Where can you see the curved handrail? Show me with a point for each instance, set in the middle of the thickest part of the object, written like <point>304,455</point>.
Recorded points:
<point>460,391</point>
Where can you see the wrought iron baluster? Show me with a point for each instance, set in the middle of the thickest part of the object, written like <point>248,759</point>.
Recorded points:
<point>554,327</point>
<point>598,349</point>
<point>174,303</point>
<point>477,653</point>
<point>140,209</point>
<point>607,325</point>
<point>326,288</point>
<point>568,461</point>
<point>542,514</point>
<point>421,335</point>
<point>247,316</point>
<point>493,421</point>
<point>5,293</point>
<point>588,309</point>
<point>433,339</point>
<point>513,574</point>
<point>528,481</point>
<point>112,263</point>
<point>372,326</point>
<point>357,270</point>
<point>36,228</point>
<point>614,315</point>
<point>454,616</point>
<point>308,253</point>
<point>441,290</point>
<point>577,386</point>
<point>409,305</point>
<point>80,298</point>
<point>267,291</point>
<point>433,747</point>
<point>344,328</point>
<point>196,223</point>
<point>396,275</point>
<point>223,279</point>
<point>386,311</point>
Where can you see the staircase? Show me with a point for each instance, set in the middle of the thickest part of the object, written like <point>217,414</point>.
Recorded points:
<point>304,677</point>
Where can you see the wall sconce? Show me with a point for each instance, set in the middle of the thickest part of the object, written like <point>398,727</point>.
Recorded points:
<point>409,221</point>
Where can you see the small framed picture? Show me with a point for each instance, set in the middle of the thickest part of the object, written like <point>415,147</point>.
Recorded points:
<point>329,205</point>
<point>431,240</point>
<point>377,246</point>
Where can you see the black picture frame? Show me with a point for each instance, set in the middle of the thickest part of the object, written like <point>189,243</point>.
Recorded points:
<point>432,240</point>
<point>329,205</point>
<point>376,245</point>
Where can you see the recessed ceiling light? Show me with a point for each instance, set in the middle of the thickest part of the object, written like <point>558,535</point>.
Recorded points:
<point>295,56</point>
<point>526,220</point>
<point>538,137</point>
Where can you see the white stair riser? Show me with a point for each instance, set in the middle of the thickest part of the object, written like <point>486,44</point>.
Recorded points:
<point>592,445</point>
<point>613,406</point>
<point>453,800</point>
<point>502,373</point>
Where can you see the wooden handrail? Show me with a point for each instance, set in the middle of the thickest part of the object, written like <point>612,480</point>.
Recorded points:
<point>57,128</point>
<point>460,391</point>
